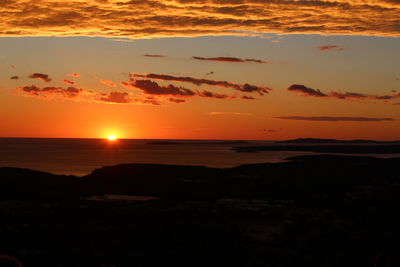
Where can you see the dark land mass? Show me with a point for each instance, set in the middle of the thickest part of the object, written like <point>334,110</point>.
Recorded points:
<point>198,143</point>
<point>335,141</point>
<point>309,211</point>
<point>343,149</point>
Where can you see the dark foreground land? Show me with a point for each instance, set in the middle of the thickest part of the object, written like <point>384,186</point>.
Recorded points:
<point>309,211</point>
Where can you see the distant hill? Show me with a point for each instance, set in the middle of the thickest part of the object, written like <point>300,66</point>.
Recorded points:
<point>335,141</point>
<point>286,180</point>
<point>198,143</point>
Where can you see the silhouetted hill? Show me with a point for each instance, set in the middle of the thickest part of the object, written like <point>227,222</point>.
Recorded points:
<point>323,210</point>
<point>16,183</point>
<point>198,143</point>
<point>337,148</point>
<point>335,141</point>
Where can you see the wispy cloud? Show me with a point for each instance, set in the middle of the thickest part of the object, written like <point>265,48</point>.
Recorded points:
<point>232,59</point>
<point>116,97</point>
<point>69,92</point>
<point>334,119</point>
<point>176,100</point>
<point>228,113</point>
<point>40,76</point>
<point>74,75</point>
<point>248,88</point>
<point>327,48</point>
<point>209,94</point>
<point>108,83</point>
<point>153,88</point>
<point>66,81</point>
<point>153,55</point>
<point>158,18</point>
<point>307,91</point>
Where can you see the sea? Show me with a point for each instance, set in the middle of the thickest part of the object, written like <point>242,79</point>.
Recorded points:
<point>81,156</point>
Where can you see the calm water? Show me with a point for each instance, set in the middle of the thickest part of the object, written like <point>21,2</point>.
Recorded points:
<point>81,156</point>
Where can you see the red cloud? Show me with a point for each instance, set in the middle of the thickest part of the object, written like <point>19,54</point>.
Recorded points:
<point>68,82</point>
<point>69,92</point>
<point>108,83</point>
<point>330,48</point>
<point>75,75</point>
<point>306,90</point>
<point>212,95</point>
<point>232,59</point>
<point>153,88</point>
<point>333,119</point>
<point>176,100</point>
<point>150,55</point>
<point>247,97</point>
<point>116,97</point>
<point>40,76</point>
<point>347,95</point>
<point>240,87</point>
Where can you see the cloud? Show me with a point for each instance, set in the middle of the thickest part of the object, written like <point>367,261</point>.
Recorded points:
<point>206,93</point>
<point>196,81</point>
<point>108,83</point>
<point>327,48</point>
<point>14,77</point>
<point>346,95</point>
<point>306,90</point>
<point>228,113</point>
<point>334,119</point>
<point>74,75</point>
<point>247,97</point>
<point>66,81</point>
<point>176,100</point>
<point>184,18</point>
<point>231,59</point>
<point>69,92</point>
<point>153,88</point>
<point>40,76</point>
<point>116,97</point>
<point>151,55</point>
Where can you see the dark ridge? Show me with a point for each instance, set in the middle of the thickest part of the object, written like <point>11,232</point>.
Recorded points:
<point>322,210</point>
<point>20,183</point>
<point>344,149</point>
<point>198,143</point>
<point>335,141</point>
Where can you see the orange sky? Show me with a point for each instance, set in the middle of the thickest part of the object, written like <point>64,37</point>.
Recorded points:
<point>259,76</point>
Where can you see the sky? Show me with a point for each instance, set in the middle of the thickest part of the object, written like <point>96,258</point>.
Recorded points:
<point>200,69</point>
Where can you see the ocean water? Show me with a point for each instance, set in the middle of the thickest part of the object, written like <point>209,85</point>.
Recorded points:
<point>82,156</point>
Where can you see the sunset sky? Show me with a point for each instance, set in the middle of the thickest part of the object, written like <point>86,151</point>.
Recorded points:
<point>200,69</point>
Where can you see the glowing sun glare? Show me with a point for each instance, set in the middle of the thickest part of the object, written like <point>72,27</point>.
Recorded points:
<point>111,137</point>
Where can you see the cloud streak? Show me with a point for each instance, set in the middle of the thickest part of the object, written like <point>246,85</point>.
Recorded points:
<point>247,88</point>
<point>69,92</point>
<point>151,55</point>
<point>232,60</point>
<point>40,76</point>
<point>334,119</point>
<point>172,18</point>
<point>307,91</point>
<point>327,48</point>
<point>108,83</point>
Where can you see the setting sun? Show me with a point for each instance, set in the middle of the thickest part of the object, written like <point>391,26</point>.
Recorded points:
<point>112,138</point>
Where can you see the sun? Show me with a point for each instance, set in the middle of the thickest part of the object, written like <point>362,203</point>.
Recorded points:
<point>112,138</point>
